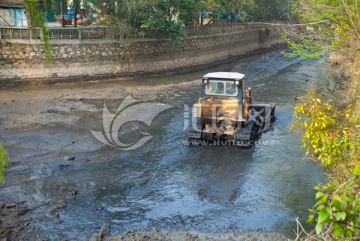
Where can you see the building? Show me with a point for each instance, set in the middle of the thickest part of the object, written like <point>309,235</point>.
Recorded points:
<point>12,13</point>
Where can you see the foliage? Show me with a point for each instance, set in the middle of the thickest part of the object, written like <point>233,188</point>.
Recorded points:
<point>258,10</point>
<point>330,135</point>
<point>266,10</point>
<point>337,25</point>
<point>159,18</point>
<point>306,48</point>
<point>342,14</point>
<point>327,133</point>
<point>37,19</point>
<point>137,18</point>
<point>164,20</point>
<point>118,15</point>
<point>185,10</point>
<point>338,204</point>
<point>3,158</point>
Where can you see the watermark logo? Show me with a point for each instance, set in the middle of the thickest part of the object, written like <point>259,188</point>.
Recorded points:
<point>130,110</point>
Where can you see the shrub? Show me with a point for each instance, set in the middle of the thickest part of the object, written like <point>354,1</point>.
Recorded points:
<point>330,135</point>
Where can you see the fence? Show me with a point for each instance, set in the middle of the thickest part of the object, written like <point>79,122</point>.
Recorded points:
<point>55,33</point>
<point>225,28</point>
<point>106,33</point>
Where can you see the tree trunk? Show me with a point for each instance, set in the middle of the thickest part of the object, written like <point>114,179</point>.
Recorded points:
<point>75,12</point>
<point>62,16</point>
<point>28,17</point>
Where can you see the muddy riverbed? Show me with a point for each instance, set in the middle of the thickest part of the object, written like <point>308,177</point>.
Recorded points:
<point>63,183</point>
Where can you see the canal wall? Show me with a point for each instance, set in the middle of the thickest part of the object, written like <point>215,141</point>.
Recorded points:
<point>24,59</point>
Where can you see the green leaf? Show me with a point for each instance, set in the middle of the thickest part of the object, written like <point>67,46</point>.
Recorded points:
<point>318,228</point>
<point>310,219</point>
<point>356,169</point>
<point>319,195</point>
<point>324,198</point>
<point>348,233</point>
<point>338,232</point>
<point>323,216</point>
<point>320,207</point>
<point>329,210</point>
<point>340,216</point>
<point>336,202</point>
<point>348,199</point>
<point>317,187</point>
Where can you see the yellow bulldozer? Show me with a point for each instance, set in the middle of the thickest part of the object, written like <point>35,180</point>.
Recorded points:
<point>226,114</point>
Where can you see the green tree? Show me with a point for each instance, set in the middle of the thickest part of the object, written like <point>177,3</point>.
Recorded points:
<point>167,19</point>
<point>267,10</point>
<point>3,161</point>
<point>259,10</point>
<point>125,18</point>
<point>162,19</point>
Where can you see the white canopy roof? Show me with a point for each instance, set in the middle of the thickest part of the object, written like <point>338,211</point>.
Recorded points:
<point>224,75</point>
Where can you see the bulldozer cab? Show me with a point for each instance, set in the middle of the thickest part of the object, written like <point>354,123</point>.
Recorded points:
<point>225,94</point>
<point>224,84</point>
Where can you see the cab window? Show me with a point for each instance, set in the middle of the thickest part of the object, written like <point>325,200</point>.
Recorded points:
<point>226,88</point>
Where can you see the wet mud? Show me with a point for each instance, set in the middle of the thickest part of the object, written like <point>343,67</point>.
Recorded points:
<point>63,183</point>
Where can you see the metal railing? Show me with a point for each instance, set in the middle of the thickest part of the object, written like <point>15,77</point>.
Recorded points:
<point>97,32</point>
<point>19,33</point>
<point>55,33</point>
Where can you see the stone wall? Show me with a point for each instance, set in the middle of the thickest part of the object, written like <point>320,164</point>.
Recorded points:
<point>24,59</point>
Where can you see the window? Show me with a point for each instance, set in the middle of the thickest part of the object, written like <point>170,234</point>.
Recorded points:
<point>227,88</point>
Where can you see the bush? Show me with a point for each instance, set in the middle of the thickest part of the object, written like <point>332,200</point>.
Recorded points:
<point>327,134</point>
<point>338,204</point>
<point>330,136</point>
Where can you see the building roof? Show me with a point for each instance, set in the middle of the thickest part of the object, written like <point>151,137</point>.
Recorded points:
<point>224,75</point>
<point>12,3</point>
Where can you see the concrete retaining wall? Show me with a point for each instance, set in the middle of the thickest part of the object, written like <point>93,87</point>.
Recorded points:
<point>24,59</point>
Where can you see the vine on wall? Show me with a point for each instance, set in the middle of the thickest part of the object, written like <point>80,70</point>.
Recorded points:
<point>38,20</point>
